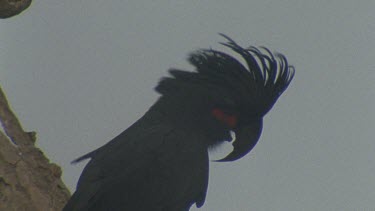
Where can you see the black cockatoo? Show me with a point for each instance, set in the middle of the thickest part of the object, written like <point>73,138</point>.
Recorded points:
<point>160,163</point>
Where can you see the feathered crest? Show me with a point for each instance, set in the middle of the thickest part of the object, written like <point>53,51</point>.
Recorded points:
<point>260,83</point>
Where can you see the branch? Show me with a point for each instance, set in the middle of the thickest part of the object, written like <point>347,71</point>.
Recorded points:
<point>10,8</point>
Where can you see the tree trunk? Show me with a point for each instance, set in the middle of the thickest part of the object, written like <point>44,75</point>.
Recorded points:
<point>28,181</point>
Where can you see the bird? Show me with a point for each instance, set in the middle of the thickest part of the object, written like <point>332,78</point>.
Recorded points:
<point>161,162</point>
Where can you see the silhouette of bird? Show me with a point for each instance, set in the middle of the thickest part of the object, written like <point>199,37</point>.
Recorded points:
<point>160,163</point>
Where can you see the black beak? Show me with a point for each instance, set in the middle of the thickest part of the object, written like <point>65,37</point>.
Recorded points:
<point>246,139</point>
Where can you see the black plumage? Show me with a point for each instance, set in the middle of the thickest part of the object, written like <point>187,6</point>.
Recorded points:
<point>160,163</point>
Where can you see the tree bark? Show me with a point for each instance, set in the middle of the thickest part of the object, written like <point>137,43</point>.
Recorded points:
<point>28,181</point>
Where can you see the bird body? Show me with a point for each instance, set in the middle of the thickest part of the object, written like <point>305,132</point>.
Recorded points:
<point>160,163</point>
<point>142,172</point>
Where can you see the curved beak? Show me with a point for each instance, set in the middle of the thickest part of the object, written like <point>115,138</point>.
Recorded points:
<point>246,138</point>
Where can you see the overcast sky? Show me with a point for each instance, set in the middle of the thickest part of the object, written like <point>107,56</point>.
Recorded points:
<point>80,72</point>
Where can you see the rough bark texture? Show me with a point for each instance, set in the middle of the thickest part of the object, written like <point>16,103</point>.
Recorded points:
<point>28,181</point>
<point>9,8</point>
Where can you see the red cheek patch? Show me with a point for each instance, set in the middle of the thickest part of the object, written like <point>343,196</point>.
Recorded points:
<point>229,119</point>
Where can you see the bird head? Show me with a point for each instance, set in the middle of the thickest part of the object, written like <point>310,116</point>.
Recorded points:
<point>224,95</point>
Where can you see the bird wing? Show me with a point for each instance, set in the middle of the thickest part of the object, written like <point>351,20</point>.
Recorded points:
<point>153,168</point>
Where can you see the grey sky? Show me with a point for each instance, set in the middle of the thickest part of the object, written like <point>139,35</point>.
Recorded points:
<point>80,72</point>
